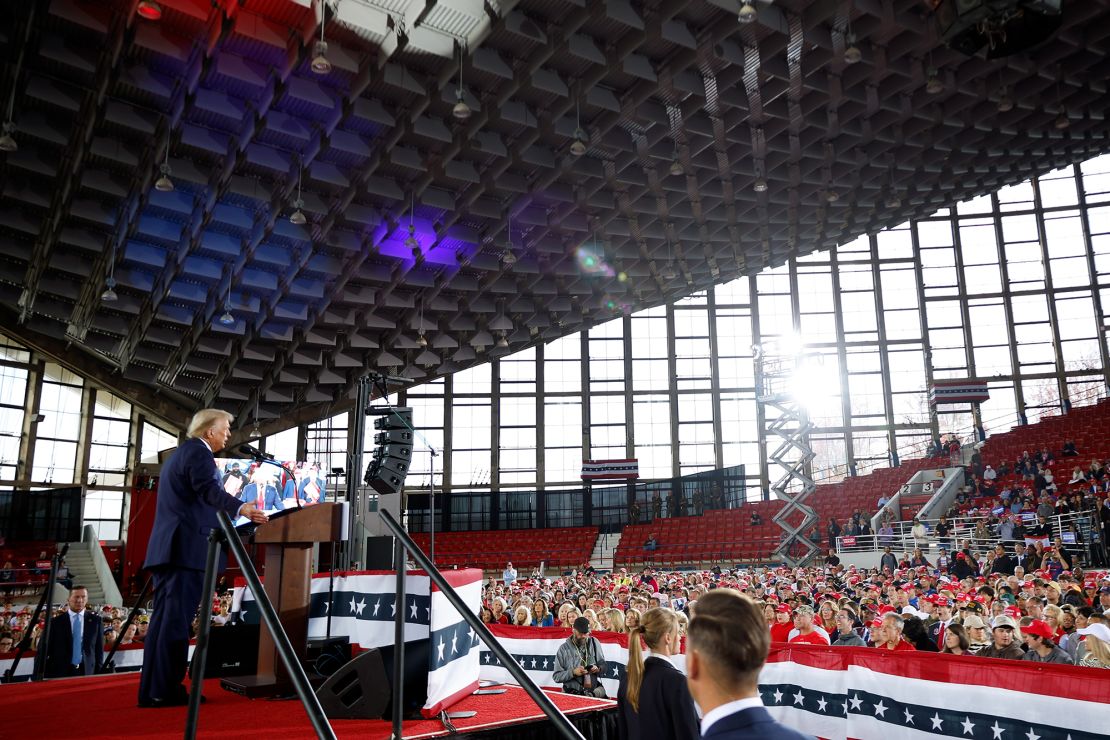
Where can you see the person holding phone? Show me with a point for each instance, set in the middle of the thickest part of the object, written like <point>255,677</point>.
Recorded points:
<point>579,662</point>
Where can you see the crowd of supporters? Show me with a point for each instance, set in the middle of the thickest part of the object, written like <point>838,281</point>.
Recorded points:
<point>1022,616</point>
<point>15,624</point>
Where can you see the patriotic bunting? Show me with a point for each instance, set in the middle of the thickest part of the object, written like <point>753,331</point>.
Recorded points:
<point>453,669</point>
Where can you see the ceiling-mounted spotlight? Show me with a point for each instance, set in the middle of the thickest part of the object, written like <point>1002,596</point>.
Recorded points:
<point>228,319</point>
<point>149,10</point>
<point>1062,120</point>
<point>422,340</point>
<point>747,13</point>
<point>581,140</point>
<point>934,85</point>
<point>509,258</point>
<point>109,294</point>
<point>7,140</point>
<point>832,196</point>
<point>676,167</point>
<point>760,185</point>
<point>461,111</point>
<point>893,201</point>
<point>502,341</point>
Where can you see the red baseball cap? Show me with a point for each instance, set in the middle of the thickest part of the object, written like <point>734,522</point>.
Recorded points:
<point>941,600</point>
<point>1040,628</point>
<point>783,608</point>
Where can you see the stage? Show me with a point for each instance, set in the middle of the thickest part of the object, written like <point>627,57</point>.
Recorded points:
<point>104,707</point>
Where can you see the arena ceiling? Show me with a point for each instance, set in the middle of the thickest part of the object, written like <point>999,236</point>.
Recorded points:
<point>713,149</point>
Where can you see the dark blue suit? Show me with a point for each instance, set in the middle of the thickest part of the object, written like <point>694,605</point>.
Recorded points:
<point>190,492</point>
<point>750,724</point>
<point>59,653</point>
<point>270,501</point>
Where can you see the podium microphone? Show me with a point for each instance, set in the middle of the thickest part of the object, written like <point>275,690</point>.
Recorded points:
<point>254,453</point>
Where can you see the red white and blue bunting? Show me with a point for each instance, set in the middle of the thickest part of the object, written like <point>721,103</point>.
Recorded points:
<point>453,651</point>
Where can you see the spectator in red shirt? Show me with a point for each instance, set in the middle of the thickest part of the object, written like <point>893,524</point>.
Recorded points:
<point>781,629</point>
<point>890,634</point>
<point>805,630</point>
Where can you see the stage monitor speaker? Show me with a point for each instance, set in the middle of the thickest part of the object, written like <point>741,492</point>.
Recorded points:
<point>379,553</point>
<point>232,651</point>
<point>358,690</point>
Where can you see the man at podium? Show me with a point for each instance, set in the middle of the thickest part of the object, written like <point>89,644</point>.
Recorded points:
<point>190,493</point>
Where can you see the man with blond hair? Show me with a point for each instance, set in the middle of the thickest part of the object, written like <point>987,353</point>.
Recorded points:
<point>726,646</point>
<point>190,493</point>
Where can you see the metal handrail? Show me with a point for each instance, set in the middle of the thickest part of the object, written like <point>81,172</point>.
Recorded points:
<point>405,542</point>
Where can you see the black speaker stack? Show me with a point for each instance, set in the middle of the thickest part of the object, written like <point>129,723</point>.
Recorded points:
<point>393,453</point>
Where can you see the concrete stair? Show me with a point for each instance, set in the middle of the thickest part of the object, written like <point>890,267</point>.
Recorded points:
<point>83,572</point>
<point>602,555</point>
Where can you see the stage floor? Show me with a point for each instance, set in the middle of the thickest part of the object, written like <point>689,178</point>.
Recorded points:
<point>104,707</point>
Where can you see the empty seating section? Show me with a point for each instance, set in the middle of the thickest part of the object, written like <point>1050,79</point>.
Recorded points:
<point>715,537</point>
<point>564,547</point>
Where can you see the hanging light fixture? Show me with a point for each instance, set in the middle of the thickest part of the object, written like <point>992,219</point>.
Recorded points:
<point>1062,121</point>
<point>164,184</point>
<point>320,64</point>
<point>747,13</point>
<point>934,85</point>
<point>7,140</point>
<point>581,140</point>
<point>461,111</point>
<point>109,294</point>
<point>831,195</point>
<point>852,53</point>
<point>668,272</point>
<point>298,217</point>
<point>1005,102</point>
<point>228,319</point>
<point>509,258</point>
<point>411,241</point>
<point>676,165</point>
<point>502,341</point>
<point>7,131</point>
<point>149,10</point>
<point>760,184</point>
<point>422,340</point>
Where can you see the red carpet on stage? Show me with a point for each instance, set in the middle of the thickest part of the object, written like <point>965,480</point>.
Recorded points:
<point>104,707</point>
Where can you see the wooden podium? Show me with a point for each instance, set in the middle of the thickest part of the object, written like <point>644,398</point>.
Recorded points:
<point>287,581</point>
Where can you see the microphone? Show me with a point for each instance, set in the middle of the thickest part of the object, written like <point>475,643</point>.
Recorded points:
<point>254,453</point>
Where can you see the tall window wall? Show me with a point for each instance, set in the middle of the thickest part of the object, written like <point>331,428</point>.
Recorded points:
<point>1009,288</point>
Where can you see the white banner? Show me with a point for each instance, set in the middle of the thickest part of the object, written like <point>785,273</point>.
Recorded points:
<point>362,607</point>
<point>453,650</point>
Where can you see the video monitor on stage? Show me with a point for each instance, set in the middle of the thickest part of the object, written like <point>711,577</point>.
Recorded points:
<point>269,485</point>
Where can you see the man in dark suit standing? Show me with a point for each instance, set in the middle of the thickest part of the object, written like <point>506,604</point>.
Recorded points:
<point>190,493</point>
<point>726,646</point>
<point>76,640</point>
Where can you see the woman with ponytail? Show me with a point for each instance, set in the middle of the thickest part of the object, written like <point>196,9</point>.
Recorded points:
<point>653,701</point>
